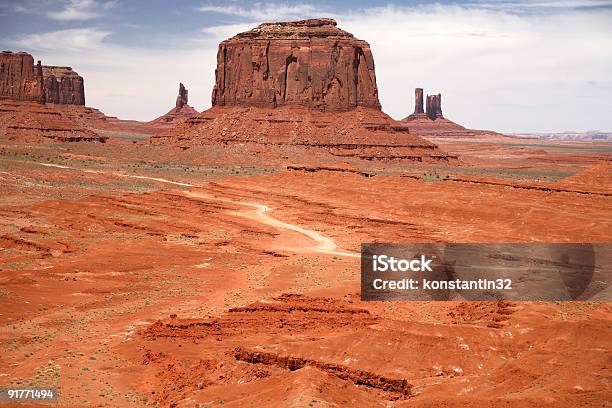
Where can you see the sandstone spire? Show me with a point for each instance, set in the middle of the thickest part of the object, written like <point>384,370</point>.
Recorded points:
<point>182,98</point>
<point>434,107</point>
<point>418,101</point>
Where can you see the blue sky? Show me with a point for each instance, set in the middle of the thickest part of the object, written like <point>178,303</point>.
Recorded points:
<point>512,65</point>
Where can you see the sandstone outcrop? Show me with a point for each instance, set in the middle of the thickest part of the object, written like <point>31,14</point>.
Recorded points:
<point>20,79</point>
<point>63,85</point>
<point>305,84</point>
<point>179,114</point>
<point>311,63</point>
<point>431,121</point>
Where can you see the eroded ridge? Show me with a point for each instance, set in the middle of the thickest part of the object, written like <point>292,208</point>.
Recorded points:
<point>288,313</point>
<point>400,387</point>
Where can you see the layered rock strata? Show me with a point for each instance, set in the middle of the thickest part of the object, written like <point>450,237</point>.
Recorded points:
<point>32,122</point>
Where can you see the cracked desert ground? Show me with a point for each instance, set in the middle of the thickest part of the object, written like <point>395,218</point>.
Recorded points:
<point>132,276</point>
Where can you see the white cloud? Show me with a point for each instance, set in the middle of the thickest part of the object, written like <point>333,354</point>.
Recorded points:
<point>78,39</point>
<point>530,5</point>
<point>79,10</point>
<point>226,31</point>
<point>20,8</point>
<point>265,11</point>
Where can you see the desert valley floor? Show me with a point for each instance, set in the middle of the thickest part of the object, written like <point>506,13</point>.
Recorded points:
<point>134,275</point>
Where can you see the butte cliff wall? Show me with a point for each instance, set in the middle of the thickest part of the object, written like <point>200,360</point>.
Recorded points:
<point>311,63</point>
<point>63,85</point>
<point>20,79</point>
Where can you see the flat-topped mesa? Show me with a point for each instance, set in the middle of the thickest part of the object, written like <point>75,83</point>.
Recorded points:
<point>63,85</point>
<point>20,79</point>
<point>310,63</point>
<point>182,98</point>
<point>434,107</point>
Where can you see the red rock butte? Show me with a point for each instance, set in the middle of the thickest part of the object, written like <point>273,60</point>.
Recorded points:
<point>303,83</point>
<point>310,63</point>
<point>24,116</point>
<point>20,79</point>
<point>63,85</point>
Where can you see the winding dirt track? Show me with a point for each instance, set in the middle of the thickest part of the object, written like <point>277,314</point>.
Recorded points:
<point>322,244</point>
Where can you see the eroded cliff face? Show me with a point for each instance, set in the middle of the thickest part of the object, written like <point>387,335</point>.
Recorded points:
<point>311,63</point>
<point>63,85</point>
<point>20,79</point>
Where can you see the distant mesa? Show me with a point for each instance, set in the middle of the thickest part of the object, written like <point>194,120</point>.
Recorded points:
<point>24,114</point>
<point>303,83</point>
<point>63,85</point>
